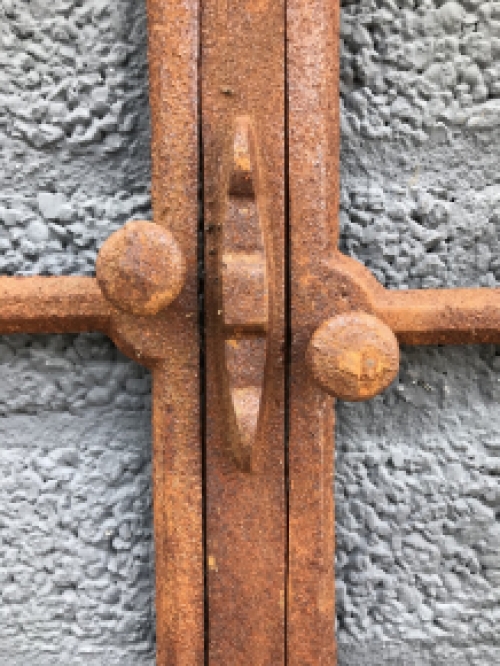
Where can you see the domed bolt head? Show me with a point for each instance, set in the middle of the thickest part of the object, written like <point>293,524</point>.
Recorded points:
<point>353,356</point>
<point>140,268</point>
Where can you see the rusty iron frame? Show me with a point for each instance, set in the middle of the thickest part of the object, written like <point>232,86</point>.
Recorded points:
<point>290,325</point>
<point>243,129</point>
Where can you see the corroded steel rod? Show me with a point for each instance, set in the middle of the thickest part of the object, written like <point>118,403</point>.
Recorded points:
<point>364,364</point>
<point>177,519</point>
<point>442,316</point>
<point>416,316</point>
<point>52,305</point>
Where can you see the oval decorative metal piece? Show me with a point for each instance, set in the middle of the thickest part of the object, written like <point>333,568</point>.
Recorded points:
<point>243,302</point>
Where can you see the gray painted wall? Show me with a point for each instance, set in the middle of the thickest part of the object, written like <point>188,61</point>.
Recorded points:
<point>76,554</point>
<point>417,486</point>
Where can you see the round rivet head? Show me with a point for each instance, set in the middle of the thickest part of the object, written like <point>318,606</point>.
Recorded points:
<point>140,268</point>
<point>354,356</point>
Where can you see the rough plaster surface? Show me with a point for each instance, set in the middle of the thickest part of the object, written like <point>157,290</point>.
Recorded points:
<point>417,485</point>
<point>76,561</point>
<point>74,130</point>
<point>76,549</point>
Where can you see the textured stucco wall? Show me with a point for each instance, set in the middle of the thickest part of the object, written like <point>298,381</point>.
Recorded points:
<point>76,561</point>
<point>417,486</point>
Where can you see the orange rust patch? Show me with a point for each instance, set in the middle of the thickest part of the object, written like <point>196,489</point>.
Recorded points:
<point>354,356</point>
<point>140,268</point>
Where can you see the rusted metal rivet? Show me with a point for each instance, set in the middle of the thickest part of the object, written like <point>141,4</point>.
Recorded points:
<point>354,356</point>
<point>140,268</point>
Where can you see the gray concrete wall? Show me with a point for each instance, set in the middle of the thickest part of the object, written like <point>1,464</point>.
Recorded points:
<point>417,485</point>
<point>76,553</point>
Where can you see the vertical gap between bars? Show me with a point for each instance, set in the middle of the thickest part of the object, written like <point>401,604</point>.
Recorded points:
<point>288,331</point>
<point>202,336</point>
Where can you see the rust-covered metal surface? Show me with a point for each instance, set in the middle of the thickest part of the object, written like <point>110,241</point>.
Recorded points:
<point>177,446</point>
<point>412,317</point>
<point>52,305</point>
<point>312,31</point>
<point>141,268</point>
<point>242,291</point>
<point>270,142</point>
<point>243,121</point>
<point>353,356</point>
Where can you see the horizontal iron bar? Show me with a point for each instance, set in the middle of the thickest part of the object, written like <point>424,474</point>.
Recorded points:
<point>52,305</point>
<point>441,316</point>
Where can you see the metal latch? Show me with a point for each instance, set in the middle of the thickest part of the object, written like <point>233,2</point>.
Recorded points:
<point>243,278</point>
